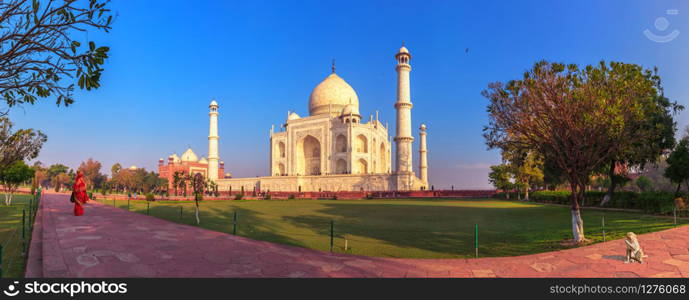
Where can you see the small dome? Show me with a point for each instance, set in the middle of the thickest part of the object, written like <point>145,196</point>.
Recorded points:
<point>293,116</point>
<point>404,50</point>
<point>174,157</point>
<point>423,127</point>
<point>189,155</point>
<point>203,160</point>
<point>350,110</point>
<point>333,93</point>
<point>213,103</point>
<point>133,167</point>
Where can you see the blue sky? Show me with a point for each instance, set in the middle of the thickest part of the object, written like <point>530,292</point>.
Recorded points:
<point>260,59</point>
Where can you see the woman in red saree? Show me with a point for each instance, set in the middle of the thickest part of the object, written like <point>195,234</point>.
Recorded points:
<point>79,194</point>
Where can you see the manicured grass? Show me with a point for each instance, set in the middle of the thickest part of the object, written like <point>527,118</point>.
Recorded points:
<point>405,228</point>
<point>11,235</point>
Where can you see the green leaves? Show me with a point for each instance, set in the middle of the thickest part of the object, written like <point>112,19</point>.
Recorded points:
<point>41,58</point>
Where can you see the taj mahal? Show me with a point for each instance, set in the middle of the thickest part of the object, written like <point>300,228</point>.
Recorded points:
<point>331,149</point>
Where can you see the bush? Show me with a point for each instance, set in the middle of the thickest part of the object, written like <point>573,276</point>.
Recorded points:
<point>238,197</point>
<point>291,197</point>
<point>266,197</point>
<point>503,195</point>
<point>649,202</point>
<point>150,197</point>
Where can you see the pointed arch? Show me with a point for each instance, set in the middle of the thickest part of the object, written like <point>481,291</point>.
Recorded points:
<point>308,156</point>
<point>362,166</point>
<point>383,158</point>
<point>341,143</point>
<point>361,144</point>
<point>341,166</point>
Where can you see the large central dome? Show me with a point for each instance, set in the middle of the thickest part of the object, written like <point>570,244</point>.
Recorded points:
<point>332,93</point>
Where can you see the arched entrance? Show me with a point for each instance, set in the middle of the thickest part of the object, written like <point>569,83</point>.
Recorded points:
<point>309,156</point>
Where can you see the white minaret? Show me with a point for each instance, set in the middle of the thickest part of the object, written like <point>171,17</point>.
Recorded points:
<point>213,142</point>
<point>403,105</point>
<point>423,159</point>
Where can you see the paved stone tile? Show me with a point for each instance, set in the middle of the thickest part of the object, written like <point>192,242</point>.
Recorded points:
<point>111,242</point>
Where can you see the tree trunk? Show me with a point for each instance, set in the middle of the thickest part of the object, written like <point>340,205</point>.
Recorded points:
<point>198,221</point>
<point>613,184</point>
<point>679,185</point>
<point>526,193</point>
<point>577,222</point>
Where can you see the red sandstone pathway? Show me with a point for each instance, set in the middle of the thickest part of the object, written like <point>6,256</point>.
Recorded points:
<point>111,242</point>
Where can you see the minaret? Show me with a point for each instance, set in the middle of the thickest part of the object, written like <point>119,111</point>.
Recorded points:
<point>213,142</point>
<point>423,159</point>
<point>403,105</point>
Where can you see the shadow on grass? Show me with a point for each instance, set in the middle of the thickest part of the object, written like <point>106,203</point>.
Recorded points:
<point>449,230</point>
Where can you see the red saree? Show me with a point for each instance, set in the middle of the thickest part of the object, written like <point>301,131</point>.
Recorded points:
<point>80,195</point>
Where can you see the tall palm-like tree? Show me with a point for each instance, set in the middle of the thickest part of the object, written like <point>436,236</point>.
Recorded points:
<point>176,179</point>
<point>198,184</point>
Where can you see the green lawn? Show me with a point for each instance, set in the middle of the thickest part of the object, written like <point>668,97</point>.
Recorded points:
<point>405,228</point>
<point>11,235</point>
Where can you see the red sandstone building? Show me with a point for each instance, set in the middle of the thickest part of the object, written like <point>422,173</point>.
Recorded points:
<point>189,163</point>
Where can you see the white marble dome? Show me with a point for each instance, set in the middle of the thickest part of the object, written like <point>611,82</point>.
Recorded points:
<point>293,116</point>
<point>189,155</point>
<point>175,158</point>
<point>333,93</point>
<point>350,110</point>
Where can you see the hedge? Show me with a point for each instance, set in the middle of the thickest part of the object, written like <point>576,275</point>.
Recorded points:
<point>649,202</point>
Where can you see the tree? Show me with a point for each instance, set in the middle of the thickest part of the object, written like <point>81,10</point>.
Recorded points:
<point>38,53</point>
<point>553,176</point>
<point>91,170</point>
<point>162,186</point>
<point>60,180</point>
<point>12,176</point>
<point>24,144</point>
<point>659,129</point>
<point>115,168</point>
<point>644,184</point>
<point>526,168</point>
<point>176,180</point>
<point>55,169</point>
<point>499,177</point>
<point>678,164</point>
<point>579,119</point>
<point>198,184</point>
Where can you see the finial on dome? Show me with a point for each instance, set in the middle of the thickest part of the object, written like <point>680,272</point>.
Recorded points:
<point>333,66</point>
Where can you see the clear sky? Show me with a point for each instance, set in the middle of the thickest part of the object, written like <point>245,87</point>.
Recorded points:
<point>260,59</point>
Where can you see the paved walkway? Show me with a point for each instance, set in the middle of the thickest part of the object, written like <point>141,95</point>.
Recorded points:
<point>111,242</point>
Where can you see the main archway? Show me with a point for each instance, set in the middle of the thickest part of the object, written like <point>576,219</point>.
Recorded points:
<point>309,156</point>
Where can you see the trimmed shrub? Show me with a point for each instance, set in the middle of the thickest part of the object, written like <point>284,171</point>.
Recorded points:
<point>266,197</point>
<point>238,197</point>
<point>291,197</point>
<point>150,197</point>
<point>649,202</point>
<point>503,195</point>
